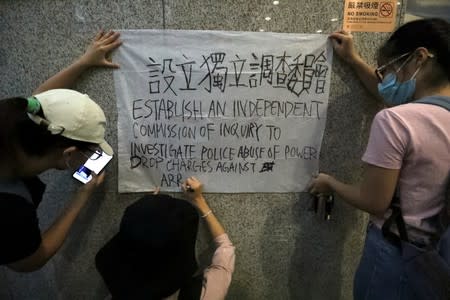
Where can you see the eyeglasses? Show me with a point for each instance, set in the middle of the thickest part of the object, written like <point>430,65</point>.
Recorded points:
<point>94,154</point>
<point>379,71</point>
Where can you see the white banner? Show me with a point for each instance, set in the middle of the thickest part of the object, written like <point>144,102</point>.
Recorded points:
<point>242,111</point>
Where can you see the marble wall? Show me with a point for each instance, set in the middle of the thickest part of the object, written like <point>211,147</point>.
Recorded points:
<point>283,250</point>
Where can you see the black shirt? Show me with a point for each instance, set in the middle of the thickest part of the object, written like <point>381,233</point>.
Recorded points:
<point>20,235</point>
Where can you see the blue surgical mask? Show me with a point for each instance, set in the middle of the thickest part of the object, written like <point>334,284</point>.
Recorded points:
<point>394,92</point>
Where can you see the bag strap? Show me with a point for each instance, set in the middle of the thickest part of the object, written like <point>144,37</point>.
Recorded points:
<point>438,101</point>
<point>443,102</point>
<point>397,217</point>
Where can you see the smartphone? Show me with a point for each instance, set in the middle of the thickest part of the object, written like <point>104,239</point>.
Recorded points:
<point>84,173</point>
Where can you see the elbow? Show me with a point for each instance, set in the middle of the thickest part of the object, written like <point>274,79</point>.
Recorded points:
<point>376,211</point>
<point>32,263</point>
<point>374,201</point>
<point>377,207</point>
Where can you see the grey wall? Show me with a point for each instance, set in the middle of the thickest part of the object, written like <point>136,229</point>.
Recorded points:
<point>283,251</point>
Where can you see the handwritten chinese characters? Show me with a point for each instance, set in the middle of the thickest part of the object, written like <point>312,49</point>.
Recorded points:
<point>296,74</point>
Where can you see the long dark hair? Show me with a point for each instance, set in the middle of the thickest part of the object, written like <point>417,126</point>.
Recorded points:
<point>433,34</point>
<point>18,130</point>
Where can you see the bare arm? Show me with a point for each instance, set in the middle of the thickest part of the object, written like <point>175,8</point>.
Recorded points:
<point>54,237</point>
<point>95,55</point>
<point>373,195</point>
<point>217,277</point>
<point>343,46</point>
<point>212,222</point>
<point>193,190</point>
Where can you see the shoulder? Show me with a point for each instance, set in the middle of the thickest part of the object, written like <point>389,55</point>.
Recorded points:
<point>409,116</point>
<point>411,112</point>
<point>30,189</point>
<point>19,228</point>
<point>391,115</point>
<point>390,121</point>
<point>412,117</point>
<point>15,209</point>
<point>10,200</point>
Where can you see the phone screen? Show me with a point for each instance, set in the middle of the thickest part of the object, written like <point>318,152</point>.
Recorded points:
<point>84,173</point>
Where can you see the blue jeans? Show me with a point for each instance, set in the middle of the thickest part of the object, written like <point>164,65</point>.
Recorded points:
<point>380,274</point>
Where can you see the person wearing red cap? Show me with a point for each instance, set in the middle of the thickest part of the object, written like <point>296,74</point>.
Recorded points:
<point>57,128</point>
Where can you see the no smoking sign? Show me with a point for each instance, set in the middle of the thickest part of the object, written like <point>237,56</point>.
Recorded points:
<point>370,15</point>
<point>386,10</point>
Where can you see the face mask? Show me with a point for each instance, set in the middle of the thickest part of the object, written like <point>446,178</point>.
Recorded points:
<point>394,92</point>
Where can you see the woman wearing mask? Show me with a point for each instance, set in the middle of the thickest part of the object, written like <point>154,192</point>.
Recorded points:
<point>407,157</point>
<point>56,128</point>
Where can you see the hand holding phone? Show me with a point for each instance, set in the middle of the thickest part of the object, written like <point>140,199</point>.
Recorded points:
<point>94,164</point>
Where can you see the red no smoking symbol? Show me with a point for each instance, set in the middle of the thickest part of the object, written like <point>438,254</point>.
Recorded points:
<point>386,9</point>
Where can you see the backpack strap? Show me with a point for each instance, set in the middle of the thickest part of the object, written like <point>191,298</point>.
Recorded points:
<point>443,102</point>
<point>397,217</point>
